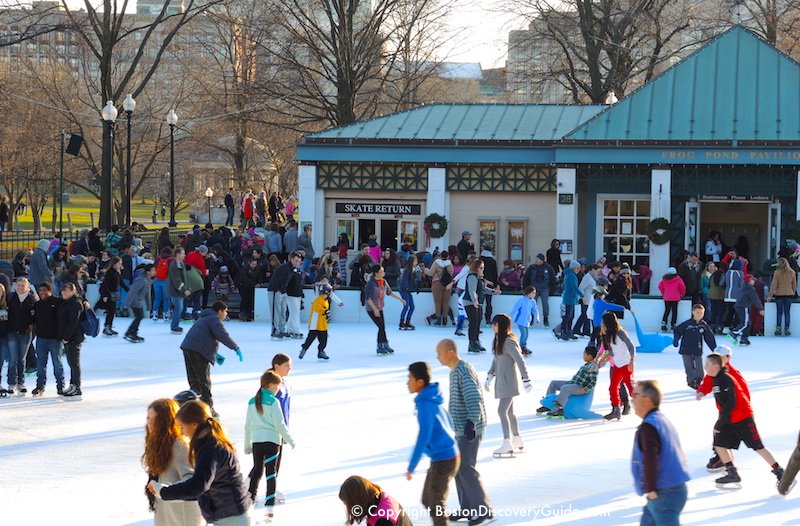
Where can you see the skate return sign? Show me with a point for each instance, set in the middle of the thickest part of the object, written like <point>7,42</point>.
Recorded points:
<point>378,208</point>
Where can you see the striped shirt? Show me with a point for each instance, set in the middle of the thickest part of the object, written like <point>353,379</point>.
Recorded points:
<point>466,400</point>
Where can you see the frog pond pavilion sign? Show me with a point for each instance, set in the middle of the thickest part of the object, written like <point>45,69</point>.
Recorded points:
<point>378,208</point>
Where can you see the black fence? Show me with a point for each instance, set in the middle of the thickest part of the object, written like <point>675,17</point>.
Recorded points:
<point>13,242</point>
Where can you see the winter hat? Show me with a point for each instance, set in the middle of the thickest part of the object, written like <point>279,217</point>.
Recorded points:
<point>599,290</point>
<point>202,249</point>
<point>723,350</point>
<point>44,244</point>
<point>736,264</point>
<point>625,270</point>
<point>748,277</point>
<point>575,264</point>
<point>223,269</point>
<point>79,259</point>
<point>466,233</point>
<point>540,256</point>
<point>602,280</point>
<point>671,270</point>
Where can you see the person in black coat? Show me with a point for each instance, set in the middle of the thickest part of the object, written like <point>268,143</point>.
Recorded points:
<point>277,292</point>
<point>47,342</point>
<point>18,264</point>
<point>490,276</point>
<point>96,246</point>
<point>70,334</point>
<point>553,256</point>
<point>217,483</point>
<point>249,277</point>
<point>20,333</point>
<point>200,349</point>
<point>691,335</point>
<point>110,293</point>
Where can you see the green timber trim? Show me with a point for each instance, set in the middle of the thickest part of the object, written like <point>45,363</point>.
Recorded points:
<point>369,176</point>
<point>613,179</point>
<point>775,181</point>
<point>500,178</point>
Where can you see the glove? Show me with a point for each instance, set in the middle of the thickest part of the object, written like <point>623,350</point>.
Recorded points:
<point>469,431</point>
<point>220,359</point>
<point>327,314</point>
<point>488,382</point>
<point>239,354</point>
<point>526,384</point>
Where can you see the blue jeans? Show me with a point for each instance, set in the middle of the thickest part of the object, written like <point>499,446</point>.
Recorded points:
<point>665,510</point>
<point>48,347</point>
<point>566,321</point>
<point>161,300</point>
<point>523,335</point>
<point>177,310</point>
<point>784,306</point>
<point>229,219</point>
<point>123,293</point>
<point>408,308</point>
<point>18,343</point>
<point>3,353</point>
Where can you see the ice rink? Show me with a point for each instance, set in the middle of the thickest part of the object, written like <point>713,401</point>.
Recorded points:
<point>78,463</point>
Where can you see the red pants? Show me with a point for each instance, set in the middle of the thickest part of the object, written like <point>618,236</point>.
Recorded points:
<point>619,375</point>
<point>756,321</point>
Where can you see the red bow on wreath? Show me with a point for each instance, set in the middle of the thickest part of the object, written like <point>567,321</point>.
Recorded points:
<point>427,227</point>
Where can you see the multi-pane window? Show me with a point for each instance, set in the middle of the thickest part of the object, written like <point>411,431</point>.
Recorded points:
<point>625,230</point>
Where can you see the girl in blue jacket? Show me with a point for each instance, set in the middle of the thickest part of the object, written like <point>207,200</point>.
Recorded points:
<point>523,313</point>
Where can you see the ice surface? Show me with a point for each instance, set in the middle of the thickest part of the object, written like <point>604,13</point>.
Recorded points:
<point>78,463</point>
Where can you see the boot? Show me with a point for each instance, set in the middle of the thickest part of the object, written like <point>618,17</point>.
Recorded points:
<point>614,414</point>
<point>410,327</point>
<point>430,318</point>
<point>663,326</point>
<point>778,331</point>
<point>382,349</point>
<point>786,331</point>
<point>322,356</point>
<point>715,465</point>
<point>626,408</point>
<point>546,323</point>
<point>474,348</point>
<point>402,326</point>
<point>731,479</point>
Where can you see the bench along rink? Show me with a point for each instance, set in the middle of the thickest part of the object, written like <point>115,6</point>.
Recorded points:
<point>78,463</point>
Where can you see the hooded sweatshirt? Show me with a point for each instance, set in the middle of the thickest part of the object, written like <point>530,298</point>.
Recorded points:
<point>733,280</point>
<point>40,271</point>
<point>436,437</point>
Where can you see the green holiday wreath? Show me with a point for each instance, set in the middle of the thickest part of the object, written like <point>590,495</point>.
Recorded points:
<point>659,231</point>
<point>435,225</point>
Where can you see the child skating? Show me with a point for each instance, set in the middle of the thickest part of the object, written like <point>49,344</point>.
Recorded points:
<point>583,382</point>
<point>264,431</point>
<point>734,425</point>
<point>223,284</point>
<point>691,335</point>
<point>138,300</point>
<point>318,322</point>
<point>672,290</point>
<point>524,313</point>
<point>617,348</point>
<point>507,357</point>
<point>746,298</point>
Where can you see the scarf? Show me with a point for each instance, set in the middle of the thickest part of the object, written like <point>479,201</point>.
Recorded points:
<point>22,297</point>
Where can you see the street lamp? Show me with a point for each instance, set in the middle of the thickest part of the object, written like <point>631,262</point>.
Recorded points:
<point>109,114</point>
<point>128,105</point>
<point>209,195</point>
<point>172,120</point>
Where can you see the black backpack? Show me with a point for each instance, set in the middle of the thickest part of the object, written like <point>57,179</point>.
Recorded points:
<point>446,278</point>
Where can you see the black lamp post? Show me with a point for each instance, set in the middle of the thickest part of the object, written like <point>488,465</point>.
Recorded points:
<point>128,105</point>
<point>109,114</point>
<point>172,120</point>
<point>209,195</point>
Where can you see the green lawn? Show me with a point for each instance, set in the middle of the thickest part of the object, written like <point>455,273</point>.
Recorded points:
<point>80,207</point>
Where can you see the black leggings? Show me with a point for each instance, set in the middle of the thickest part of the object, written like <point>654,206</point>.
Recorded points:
<point>112,310</point>
<point>322,336</point>
<point>670,306</point>
<point>381,324</point>
<point>474,317</point>
<point>265,458</point>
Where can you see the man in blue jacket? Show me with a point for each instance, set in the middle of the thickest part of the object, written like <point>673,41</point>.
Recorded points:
<point>569,298</point>
<point>658,463</point>
<point>200,349</point>
<point>436,439</point>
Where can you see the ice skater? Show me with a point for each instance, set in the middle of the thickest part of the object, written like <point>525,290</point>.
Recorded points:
<point>734,425</point>
<point>581,383</point>
<point>364,499</point>
<point>507,357</point>
<point>617,348</point>
<point>217,484</point>
<point>469,421</point>
<point>746,298</point>
<point>375,293</point>
<point>282,364</point>
<point>691,335</point>
<point>524,313</point>
<point>436,439</point>
<point>264,432</point>
<point>318,322</point>
<point>138,299</point>
<point>200,349</point>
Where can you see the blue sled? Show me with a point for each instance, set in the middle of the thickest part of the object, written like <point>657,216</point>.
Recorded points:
<point>653,342</point>
<point>578,406</point>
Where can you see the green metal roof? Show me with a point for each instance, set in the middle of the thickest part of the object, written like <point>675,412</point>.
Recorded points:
<point>738,88</point>
<point>450,123</point>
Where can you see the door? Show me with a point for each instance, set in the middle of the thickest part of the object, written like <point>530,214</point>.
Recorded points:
<point>774,240</point>
<point>692,222</point>
<point>388,235</point>
<point>366,227</point>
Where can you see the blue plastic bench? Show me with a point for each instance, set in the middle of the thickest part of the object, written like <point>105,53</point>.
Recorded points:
<point>578,406</point>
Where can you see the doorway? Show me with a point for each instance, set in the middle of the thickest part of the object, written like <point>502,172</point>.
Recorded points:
<point>366,227</point>
<point>744,226</point>
<point>388,237</point>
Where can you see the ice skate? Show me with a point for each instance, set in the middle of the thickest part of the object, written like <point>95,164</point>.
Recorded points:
<point>276,335</point>
<point>382,350</point>
<point>626,408</point>
<point>788,490</point>
<point>715,465</point>
<point>474,348</point>
<point>732,337</point>
<point>663,326</point>
<point>614,414</point>
<point>526,351</point>
<point>542,410</point>
<point>787,332</point>
<point>778,331</point>
<point>516,441</point>
<point>731,480</point>
<point>506,450</point>
<point>322,356</point>
<point>108,332</point>
<point>302,352</point>
<point>39,392</point>
<point>280,498</point>
<point>556,414</point>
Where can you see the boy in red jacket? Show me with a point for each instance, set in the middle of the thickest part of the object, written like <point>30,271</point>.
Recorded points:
<point>735,424</point>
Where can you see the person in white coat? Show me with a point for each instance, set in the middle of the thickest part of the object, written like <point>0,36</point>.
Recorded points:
<point>166,460</point>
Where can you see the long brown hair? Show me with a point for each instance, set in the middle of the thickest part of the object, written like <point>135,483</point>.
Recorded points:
<point>197,412</point>
<point>4,301</point>
<point>269,377</point>
<point>158,444</point>
<point>358,495</point>
<point>503,333</point>
<point>609,330</point>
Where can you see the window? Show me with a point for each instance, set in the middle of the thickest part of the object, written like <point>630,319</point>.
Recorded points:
<point>624,228</point>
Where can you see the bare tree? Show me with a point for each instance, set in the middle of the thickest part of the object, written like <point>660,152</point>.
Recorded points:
<point>23,21</point>
<point>598,47</point>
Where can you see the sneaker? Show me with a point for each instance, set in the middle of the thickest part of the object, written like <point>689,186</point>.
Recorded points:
<point>39,392</point>
<point>177,330</point>
<point>322,356</point>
